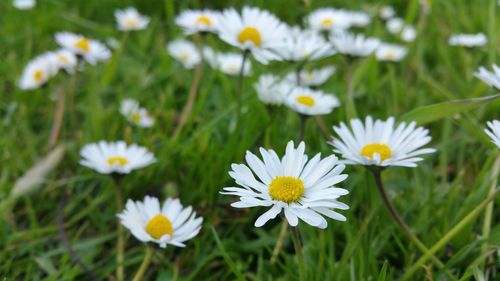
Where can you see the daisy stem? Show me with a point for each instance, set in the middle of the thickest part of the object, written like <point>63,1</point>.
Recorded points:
<point>120,249</point>
<point>350,108</point>
<point>279,243</point>
<point>303,121</point>
<point>298,252</point>
<point>58,117</point>
<point>144,265</point>
<point>239,93</point>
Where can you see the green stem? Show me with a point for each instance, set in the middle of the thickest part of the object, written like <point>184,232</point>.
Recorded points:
<point>120,249</point>
<point>303,121</point>
<point>450,234</point>
<point>239,91</point>
<point>298,253</point>
<point>350,108</point>
<point>145,263</point>
<point>279,242</point>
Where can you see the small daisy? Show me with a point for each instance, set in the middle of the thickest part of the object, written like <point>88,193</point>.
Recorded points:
<point>91,50</point>
<point>468,40</point>
<point>66,60</point>
<point>24,4</point>
<point>130,19</point>
<point>271,89</point>
<point>395,25</point>
<point>255,30</point>
<point>386,12</point>
<point>354,45</point>
<point>409,33</point>
<point>494,132</point>
<point>390,52</point>
<point>135,114</point>
<point>168,224</point>
<point>185,52</point>
<point>326,19</point>
<point>38,72</point>
<point>301,189</point>
<point>380,143</point>
<point>491,78</point>
<point>230,63</point>
<point>311,102</point>
<point>304,45</point>
<point>312,78</point>
<point>115,157</point>
<point>358,19</point>
<point>193,21</point>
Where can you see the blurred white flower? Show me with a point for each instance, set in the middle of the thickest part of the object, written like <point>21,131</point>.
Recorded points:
<point>230,63</point>
<point>91,50</point>
<point>390,52</point>
<point>135,114</point>
<point>38,71</point>
<point>193,21</point>
<point>24,4</point>
<point>255,30</point>
<point>409,33</point>
<point>304,45</point>
<point>327,19</point>
<point>491,78</point>
<point>311,102</point>
<point>386,12</point>
<point>185,52</point>
<point>271,89</point>
<point>66,60</point>
<point>312,78</point>
<point>494,132</point>
<point>358,18</point>
<point>468,40</point>
<point>354,45</point>
<point>394,25</point>
<point>129,19</point>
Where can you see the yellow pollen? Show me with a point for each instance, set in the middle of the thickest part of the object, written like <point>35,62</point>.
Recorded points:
<point>184,57</point>
<point>306,100</point>
<point>83,44</point>
<point>131,22</point>
<point>158,226</point>
<point>232,69</point>
<point>38,75</point>
<point>204,20</point>
<point>327,22</point>
<point>381,149</point>
<point>136,117</point>
<point>287,189</point>
<point>309,76</point>
<point>122,161</point>
<point>390,55</point>
<point>250,34</point>
<point>63,59</point>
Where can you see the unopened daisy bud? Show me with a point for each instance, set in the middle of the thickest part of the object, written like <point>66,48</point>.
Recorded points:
<point>129,19</point>
<point>185,52</point>
<point>91,50</point>
<point>311,102</point>
<point>494,132</point>
<point>193,21</point>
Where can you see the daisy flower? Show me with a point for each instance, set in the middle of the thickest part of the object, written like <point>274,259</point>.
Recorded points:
<point>386,12</point>
<point>135,114</point>
<point>409,33</point>
<point>491,78</point>
<point>311,102</point>
<point>395,25</point>
<point>354,45</point>
<point>468,40</point>
<point>304,45</point>
<point>301,189</point>
<point>390,52</point>
<point>193,21</point>
<point>91,50</point>
<point>326,19</point>
<point>230,63</point>
<point>66,60</point>
<point>115,157</point>
<point>271,90</point>
<point>129,19</point>
<point>24,4</point>
<point>494,132</point>
<point>185,52</point>
<point>168,224</point>
<point>255,30</point>
<point>38,71</point>
<point>358,19</point>
<point>380,143</point>
<point>312,78</point>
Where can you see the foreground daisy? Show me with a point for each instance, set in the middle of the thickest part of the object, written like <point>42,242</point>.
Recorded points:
<point>301,189</point>
<point>38,72</point>
<point>390,52</point>
<point>129,19</point>
<point>115,157</point>
<point>193,21</point>
<point>491,78</point>
<point>311,102</point>
<point>304,45</point>
<point>312,78</point>
<point>271,89</point>
<point>468,40</point>
<point>135,114</point>
<point>494,132</point>
<point>91,50</point>
<point>24,4</point>
<point>66,60</point>
<point>326,19</point>
<point>168,224</point>
<point>354,45</point>
<point>230,63</point>
<point>380,143</point>
<point>255,30</point>
<point>185,52</point>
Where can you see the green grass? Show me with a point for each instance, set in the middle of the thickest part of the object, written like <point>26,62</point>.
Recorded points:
<point>369,246</point>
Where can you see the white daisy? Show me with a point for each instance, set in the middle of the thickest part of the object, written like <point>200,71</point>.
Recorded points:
<point>468,40</point>
<point>395,25</point>
<point>271,89</point>
<point>185,52</point>
<point>255,30</point>
<point>129,19</point>
<point>24,4</point>
<point>115,157</point>
<point>66,60</point>
<point>135,114</point>
<point>491,78</point>
<point>354,45</point>
<point>312,78</point>
<point>38,72</point>
<point>302,189</point>
<point>390,52</point>
<point>328,19</point>
<point>230,63</point>
<point>409,33</point>
<point>304,45</point>
<point>193,21</point>
<point>380,143</point>
<point>91,50</point>
<point>358,19</point>
<point>311,102</point>
<point>494,132</point>
<point>168,224</point>
<point>386,12</point>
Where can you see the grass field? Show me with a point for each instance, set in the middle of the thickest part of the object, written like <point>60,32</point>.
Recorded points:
<point>193,166</point>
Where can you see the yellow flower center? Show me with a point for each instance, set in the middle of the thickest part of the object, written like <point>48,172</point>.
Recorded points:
<point>204,20</point>
<point>287,189</point>
<point>390,55</point>
<point>184,57</point>
<point>327,23</point>
<point>250,34</point>
<point>376,148</point>
<point>136,117</point>
<point>232,69</point>
<point>38,75</point>
<point>131,22</point>
<point>122,161</point>
<point>83,44</point>
<point>158,226</point>
<point>62,58</point>
<point>306,100</point>
<point>309,76</point>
